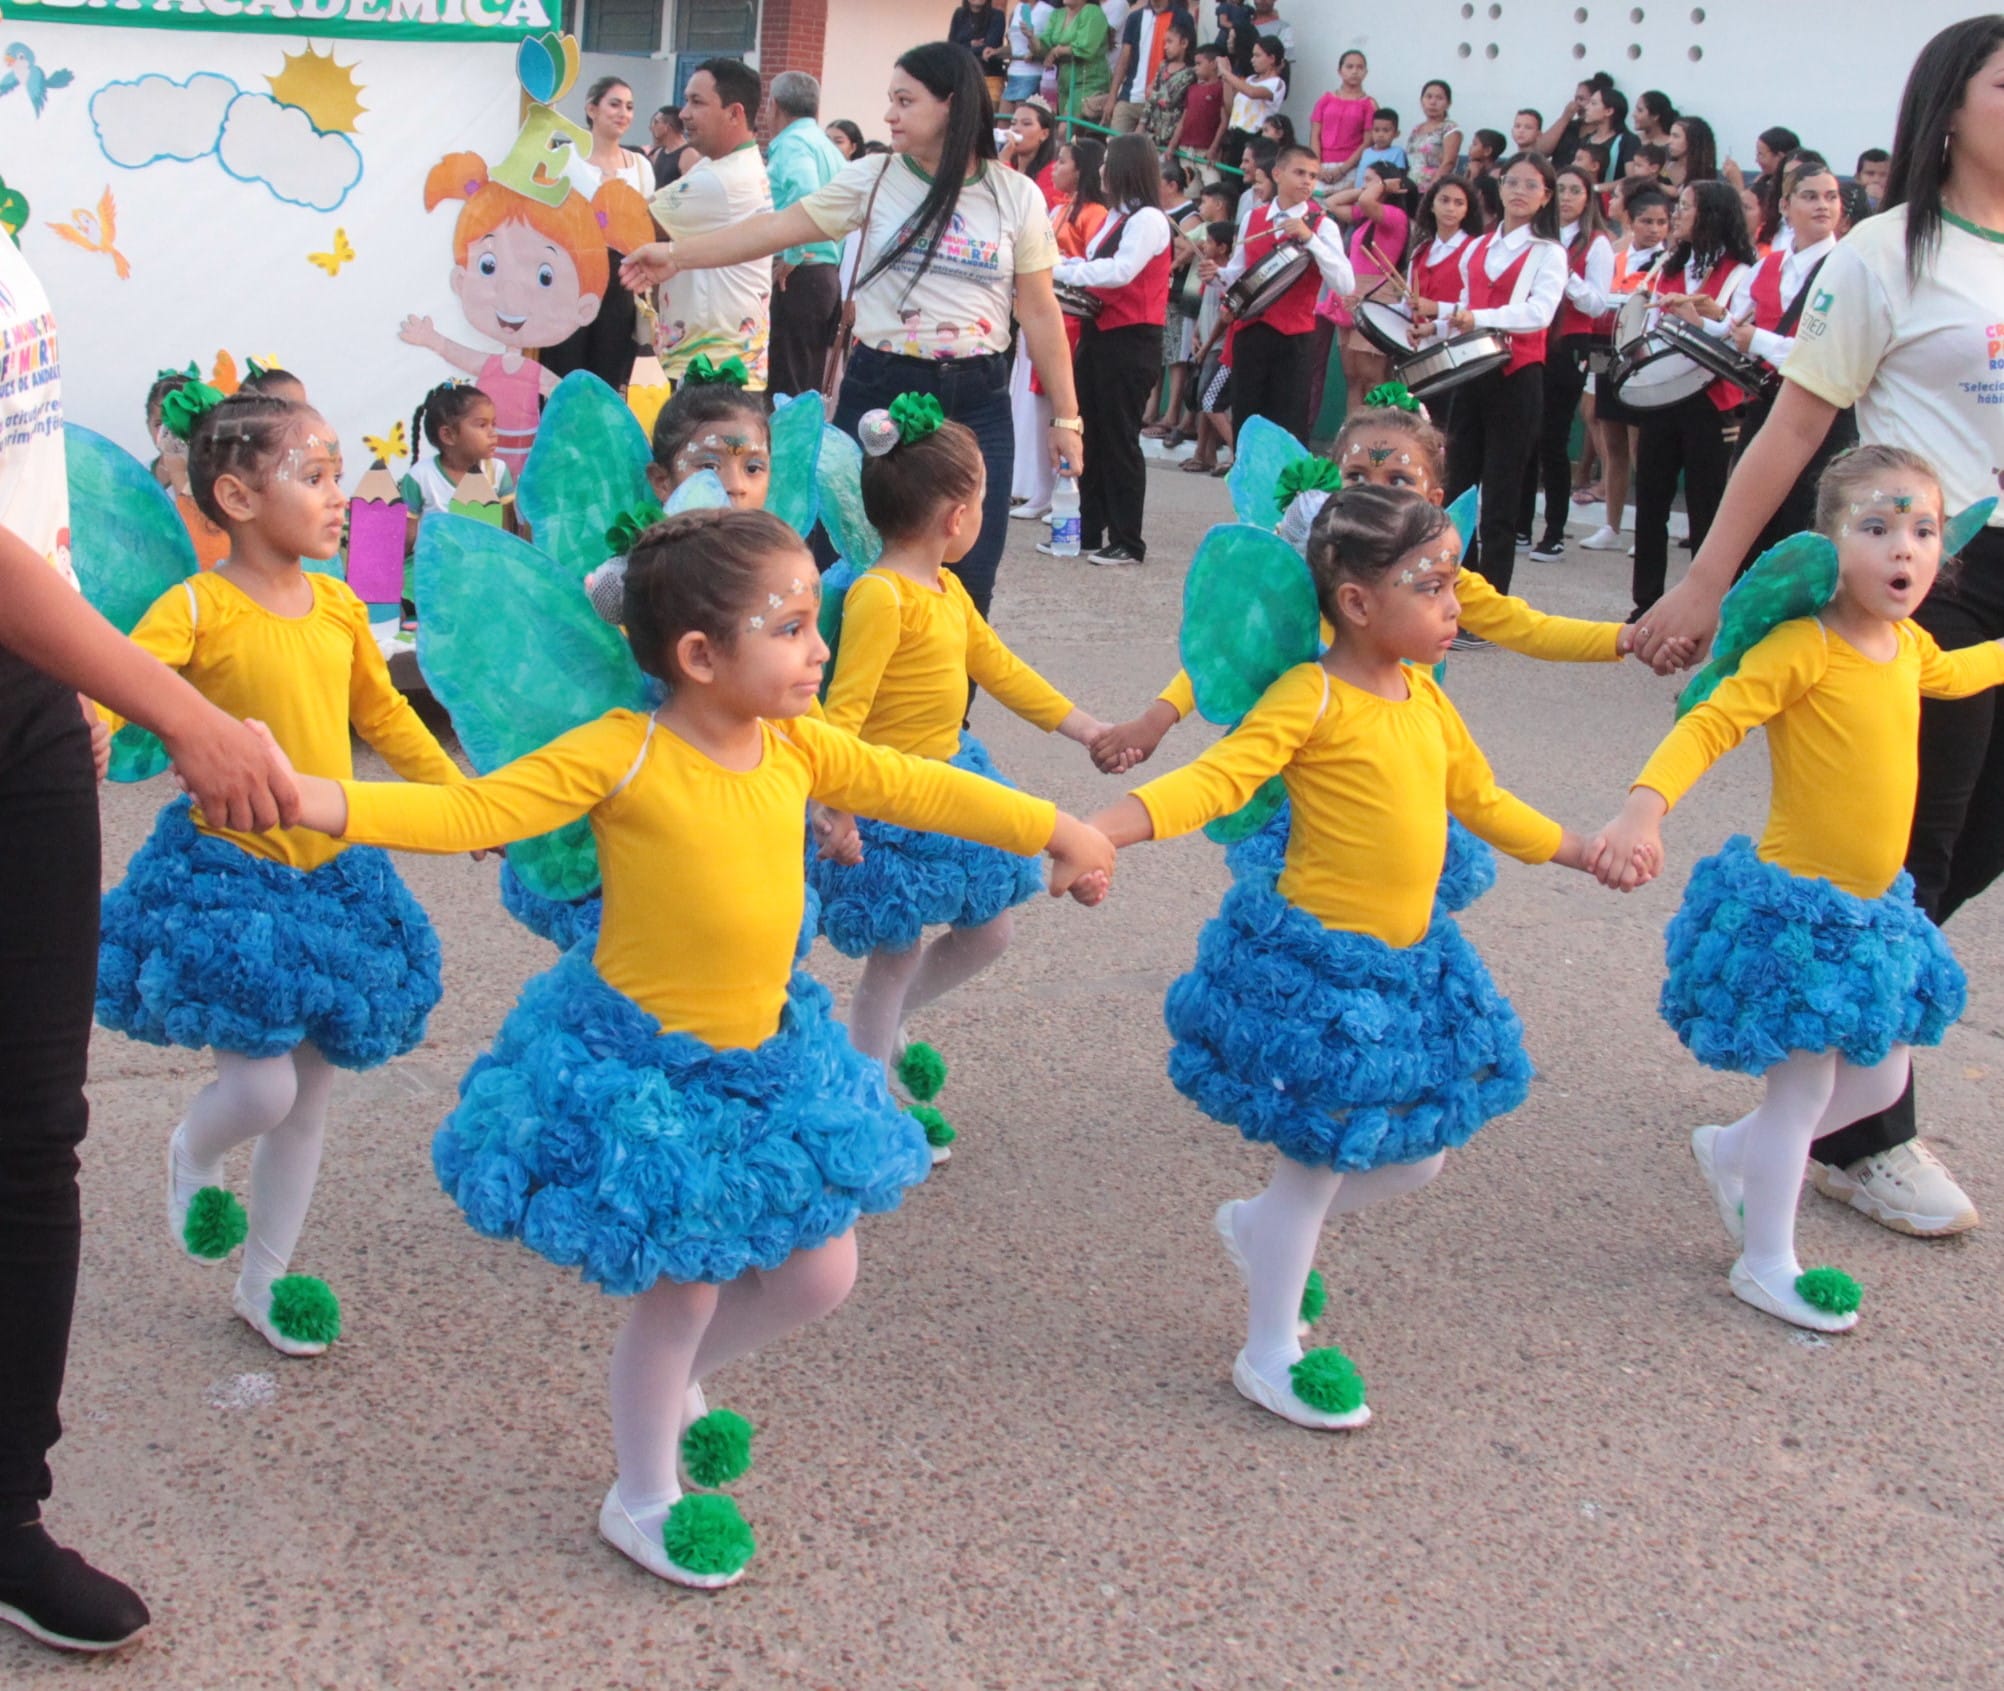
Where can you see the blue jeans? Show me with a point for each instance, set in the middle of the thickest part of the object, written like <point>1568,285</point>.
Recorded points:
<point>973,391</point>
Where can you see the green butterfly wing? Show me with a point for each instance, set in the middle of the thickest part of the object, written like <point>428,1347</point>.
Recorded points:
<point>1262,450</point>
<point>513,682</point>
<point>839,476</point>
<point>798,425</point>
<point>703,491</point>
<point>1794,578</point>
<point>1249,616</point>
<point>836,581</point>
<point>589,464</point>
<point>128,546</point>
<point>1464,513</point>
<point>1965,526</point>
<point>1251,816</point>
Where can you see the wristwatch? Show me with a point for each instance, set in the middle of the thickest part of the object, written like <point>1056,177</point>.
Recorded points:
<point>1075,424</point>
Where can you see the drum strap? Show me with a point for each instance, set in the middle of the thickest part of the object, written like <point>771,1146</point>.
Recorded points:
<point>1793,315</point>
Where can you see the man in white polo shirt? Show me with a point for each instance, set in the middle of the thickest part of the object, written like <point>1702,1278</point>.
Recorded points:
<point>727,312</point>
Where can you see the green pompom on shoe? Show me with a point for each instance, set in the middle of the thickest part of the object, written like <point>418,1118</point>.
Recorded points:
<point>938,1130</point>
<point>1328,1380</point>
<point>305,1310</point>
<point>716,1449</point>
<point>1830,1290</point>
<point>705,1534</point>
<point>1314,1297</point>
<point>215,1224</point>
<point>921,1070</point>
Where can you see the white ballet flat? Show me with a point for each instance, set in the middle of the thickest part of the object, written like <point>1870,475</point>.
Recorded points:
<point>1282,1401</point>
<point>1787,1305</point>
<point>624,1534</point>
<point>260,1320</point>
<point>1704,1147</point>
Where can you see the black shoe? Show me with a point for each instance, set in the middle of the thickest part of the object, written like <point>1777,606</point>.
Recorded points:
<point>1465,642</point>
<point>1113,555</point>
<point>59,1599</point>
<point>1548,548</point>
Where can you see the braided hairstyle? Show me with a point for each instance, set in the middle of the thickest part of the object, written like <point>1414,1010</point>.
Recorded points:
<point>243,436</point>
<point>700,572</point>
<point>443,407</point>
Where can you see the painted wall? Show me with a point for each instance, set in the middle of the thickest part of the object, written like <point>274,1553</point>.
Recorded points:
<point>220,195</point>
<point>864,39</point>
<point>1836,82</point>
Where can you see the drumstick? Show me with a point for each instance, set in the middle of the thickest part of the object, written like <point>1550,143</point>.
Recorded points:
<point>1390,269</point>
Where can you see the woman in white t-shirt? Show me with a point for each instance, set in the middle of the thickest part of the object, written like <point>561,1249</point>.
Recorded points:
<point>1025,76</point>
<point>950,254</point>
<point>608,344</point>
<point>1901,326</point>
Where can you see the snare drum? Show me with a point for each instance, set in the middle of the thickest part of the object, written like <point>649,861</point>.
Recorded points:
<point>1266,282</point>
<point>1190,296</point>
<point>1450,364</point>
<point>1387,327</point>
<point>1078,302</point>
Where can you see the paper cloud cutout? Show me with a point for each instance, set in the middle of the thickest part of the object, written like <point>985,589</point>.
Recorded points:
<point>253,137</point>
<point>156,118</point>
<point>263,141</point>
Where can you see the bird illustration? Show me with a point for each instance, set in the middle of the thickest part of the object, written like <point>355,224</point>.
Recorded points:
<point>22,71</point>
<point>97,233</point>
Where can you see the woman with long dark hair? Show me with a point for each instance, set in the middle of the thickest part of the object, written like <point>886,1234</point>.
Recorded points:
<point>953,246</point>
<point>1694,152</point>
<point>1711,259</point>
<point>1032,147</point>
<point>1899,327</point>
<point>1120,351</point>
<point>1513,279</point>
<point>1589,281</point>
<point>606,346</point>
<point>1654,115</point>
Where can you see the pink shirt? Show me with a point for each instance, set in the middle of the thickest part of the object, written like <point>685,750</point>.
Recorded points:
<point>1341,124</point>
<point>518,407</point>
<point>1388,234</point>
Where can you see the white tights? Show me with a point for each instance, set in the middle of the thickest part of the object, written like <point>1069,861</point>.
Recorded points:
<point>895,983</point>
<point>1278,1231</point>
<point>281,1102</point>
<point>1808,1095</point>
<point>678,1335</point>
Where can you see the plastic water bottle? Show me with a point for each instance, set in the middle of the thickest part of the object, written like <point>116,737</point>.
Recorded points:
<point>1065,513</point>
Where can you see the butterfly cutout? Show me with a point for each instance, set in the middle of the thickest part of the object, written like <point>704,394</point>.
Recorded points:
<point>331,262</point>
<point>395,444</point>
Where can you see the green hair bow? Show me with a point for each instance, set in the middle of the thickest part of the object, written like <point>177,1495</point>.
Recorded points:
<point>192,373</point>
<point>1396,395</point>
<point>1306,475</point>
<point>917,415</point>
<point>622,536</point>
<point>732,370</point>
<point>182,409</point>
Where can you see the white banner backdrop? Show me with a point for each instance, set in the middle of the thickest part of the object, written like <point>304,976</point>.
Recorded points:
<point>190,193</point>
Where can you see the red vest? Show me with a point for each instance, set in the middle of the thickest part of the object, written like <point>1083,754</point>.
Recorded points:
<point>1768,305</point>
<point>1725,395</point>
<point>1440,281</point>
<point>1527,347</point>
<point>1145,300</point>
<point>1294,312</point>
<point>1571,320</point>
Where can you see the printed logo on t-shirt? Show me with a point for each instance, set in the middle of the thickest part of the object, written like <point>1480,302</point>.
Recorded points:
<point>1993,340</point>
<point>961,253</point>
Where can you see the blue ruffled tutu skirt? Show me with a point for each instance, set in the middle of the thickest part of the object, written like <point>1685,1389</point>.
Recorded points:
<point>1336,1048</point>
<point>910,881</point>
<point>1765,963</point>
<point>630,1154</point>
<point>1468,872</point>
<point>561,921</point>
<point>205,945</point>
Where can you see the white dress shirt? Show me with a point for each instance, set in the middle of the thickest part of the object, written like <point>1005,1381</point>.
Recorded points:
<point>1148,235</point>
<point>1592,293</point>
<point>1325,246</point>
<point>1795,267</point>
<point>1541,284</point>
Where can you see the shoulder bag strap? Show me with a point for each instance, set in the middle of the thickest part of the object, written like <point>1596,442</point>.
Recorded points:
<point>836,363</point>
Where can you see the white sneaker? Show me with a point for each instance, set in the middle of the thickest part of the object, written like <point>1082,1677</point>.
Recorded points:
<point>1257,1388</point>
<point>1726,1194</point>
<point>1787,1304</point>
<point>630,1539</point>
<point>1905,1188</point>
<point>1603,539</point>
<point>1031,513</point>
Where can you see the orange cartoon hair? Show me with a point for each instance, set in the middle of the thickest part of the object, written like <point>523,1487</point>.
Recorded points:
<point>616,216</point>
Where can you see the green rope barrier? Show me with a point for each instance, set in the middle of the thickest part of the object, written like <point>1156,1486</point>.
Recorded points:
<point>1181,152</point>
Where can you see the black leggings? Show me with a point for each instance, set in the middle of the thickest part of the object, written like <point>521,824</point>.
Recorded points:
<point>1114,370</point>
<point>1495,428</point>
<point>48,979</point>
<point>1565,381</point>
<point>1956,848</point>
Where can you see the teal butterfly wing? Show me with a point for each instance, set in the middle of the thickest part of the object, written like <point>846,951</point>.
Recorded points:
<point>128,546</point>
<point>798,425</point>
<point>839,477</point>
<point>1464,513</point>
<point>513,682</point>
<point>588,466</point>
<point>1794,578</point>
<point>836,581</point>
<point>1965,526</point>
<point>1262,450</point>
<point>1249,615</point>
<point>701,492</point>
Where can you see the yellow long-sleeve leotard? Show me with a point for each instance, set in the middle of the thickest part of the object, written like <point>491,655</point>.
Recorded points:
<point>1842,744</point>
<point>306,678</point>
<point>701,864</point>
<point>906,656</point>
<point>1372,782</point>
<point>1500,618</point>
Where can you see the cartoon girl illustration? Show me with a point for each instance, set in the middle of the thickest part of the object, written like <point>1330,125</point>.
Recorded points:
<point>527,274</point>
<point>671,336</point>
<point>946,334</point>
<point>909,317</point>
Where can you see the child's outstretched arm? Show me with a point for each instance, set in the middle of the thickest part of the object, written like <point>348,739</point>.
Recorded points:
<point>1010,681</point>
<point>1517,626</point>
<point>1118,749</point>
<point>420,331</point>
